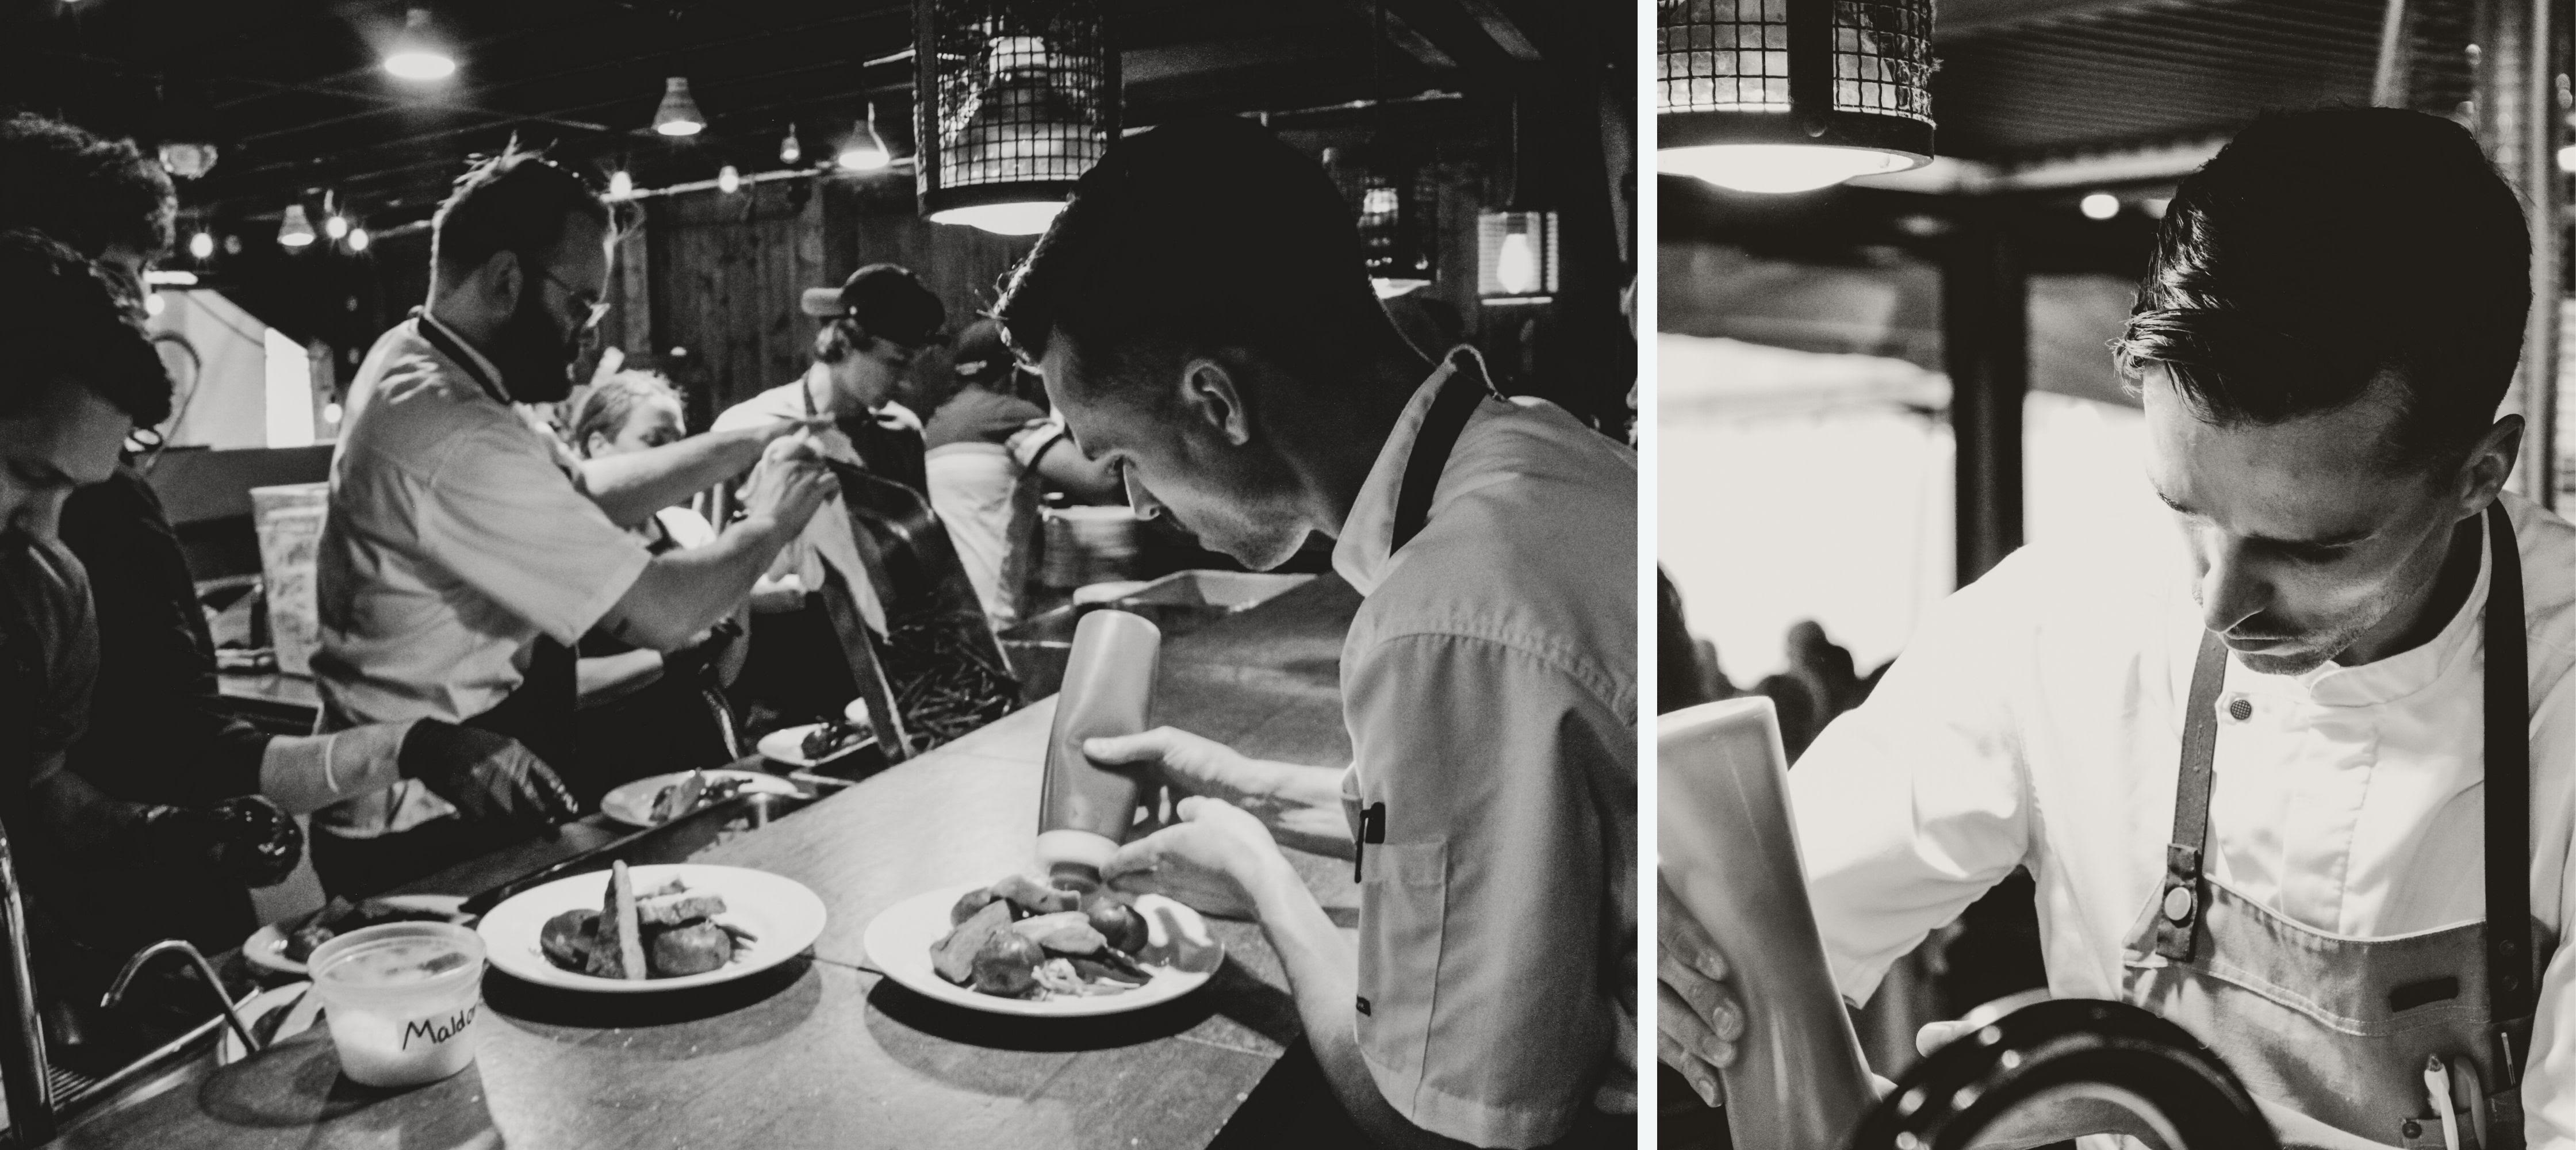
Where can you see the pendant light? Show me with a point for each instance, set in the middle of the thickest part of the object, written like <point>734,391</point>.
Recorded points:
<point>1017,98</point>
<point>864,150</point>
<point>1792,95</point>
<point>1516,253</point>
<point>419,52</point>
<point>1384,187</point>
<point>789,151</point>
<point>295,230</point>
<point>678,115</point>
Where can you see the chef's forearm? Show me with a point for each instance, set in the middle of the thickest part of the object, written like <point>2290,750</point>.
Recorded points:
<point>305,773</point>
<point>1301,805</point>
<point>682,593</point>
<point>1323,977</point>
<point>632,486</point>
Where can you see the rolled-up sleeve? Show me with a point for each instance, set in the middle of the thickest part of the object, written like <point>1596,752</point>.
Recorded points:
<point>503,518</point>
<point>1491,957</point>
<point>1914,804</point>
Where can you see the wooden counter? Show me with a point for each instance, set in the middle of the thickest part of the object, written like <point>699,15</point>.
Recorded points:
<point>824,1051</point>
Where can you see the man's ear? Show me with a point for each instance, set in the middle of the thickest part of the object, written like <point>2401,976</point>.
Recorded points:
<point>2490,464</point>
<point>504,279</point>
<point>1214,396</point>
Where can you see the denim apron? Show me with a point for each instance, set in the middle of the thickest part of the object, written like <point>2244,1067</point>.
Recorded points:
<point>2341,1029</point>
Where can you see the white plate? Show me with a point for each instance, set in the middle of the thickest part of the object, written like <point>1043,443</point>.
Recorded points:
<point>787,745</point>
<point>266,947</point>
<point>632,804</point>
<point>781,914</point>
<point>304,1011</point>
<point>900,938</point>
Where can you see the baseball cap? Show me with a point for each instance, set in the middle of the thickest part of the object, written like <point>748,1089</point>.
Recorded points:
<point>982,357</point>
<point>885,299</point>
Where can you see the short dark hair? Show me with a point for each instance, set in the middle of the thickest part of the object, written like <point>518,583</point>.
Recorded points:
<point>86,191</point>
<point>610,404</point>
<point>2321,251</point>
<point>62,318</point>
<point>1196,235</point>
<point>513,202</point>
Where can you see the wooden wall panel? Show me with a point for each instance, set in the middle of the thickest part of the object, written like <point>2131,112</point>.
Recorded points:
<point>724,275</point>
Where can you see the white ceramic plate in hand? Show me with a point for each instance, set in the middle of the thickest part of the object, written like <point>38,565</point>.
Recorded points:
<point>632,804</point>
<point>787,745</point>
<point>783,917</point>
<point>900,938</point>
<point>266,947</point>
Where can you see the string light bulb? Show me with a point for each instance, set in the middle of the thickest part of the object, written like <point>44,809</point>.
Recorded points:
<point>728,180</point>
<point>789,151</point>
<point>620,185</point>
<point>358,239</point>
<point>201,245</point>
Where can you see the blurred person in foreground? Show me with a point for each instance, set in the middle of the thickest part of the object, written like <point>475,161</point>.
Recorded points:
<point>1205,324</point>
<point>159,730</point>
<point>2300,777</point>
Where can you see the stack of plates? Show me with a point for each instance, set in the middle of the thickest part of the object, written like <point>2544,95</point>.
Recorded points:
<point>1088,545</point>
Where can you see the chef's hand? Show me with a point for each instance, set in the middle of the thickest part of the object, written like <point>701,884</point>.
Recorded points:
<point>1697,1015</point>
<point>790,484</point>
<point>1209,860</point>
<point>1190,763</point>
<point>489,777</point>
<point>246,839</point>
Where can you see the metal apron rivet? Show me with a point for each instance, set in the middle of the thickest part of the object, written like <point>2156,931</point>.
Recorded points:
<point>2178,904</point>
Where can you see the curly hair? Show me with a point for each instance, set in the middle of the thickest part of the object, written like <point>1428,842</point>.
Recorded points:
<point>62,319</point>
<point>2322,252</point>
<point>88,192</point>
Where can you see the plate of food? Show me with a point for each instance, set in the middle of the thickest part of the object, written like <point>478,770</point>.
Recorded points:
<point>814,744</point>
<point>282,946</point>
<point>652,801</point>
<point>640,929</point>
<point>1019,946</point>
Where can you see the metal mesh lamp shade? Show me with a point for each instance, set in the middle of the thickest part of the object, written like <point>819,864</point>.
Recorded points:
<point>1516,256</point>
<point>1792,95</point>
<point>1018,98</point>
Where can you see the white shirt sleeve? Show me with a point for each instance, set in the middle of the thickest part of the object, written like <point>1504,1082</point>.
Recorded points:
<point>1488,966</point>
<point>2549,1082</point>
<point>504,519</point>
<point>1914,804</point>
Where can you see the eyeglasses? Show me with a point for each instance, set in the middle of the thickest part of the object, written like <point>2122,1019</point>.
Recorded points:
<point>598,309</point>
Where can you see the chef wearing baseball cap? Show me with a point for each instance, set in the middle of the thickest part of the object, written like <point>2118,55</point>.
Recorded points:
<point>876,326</point>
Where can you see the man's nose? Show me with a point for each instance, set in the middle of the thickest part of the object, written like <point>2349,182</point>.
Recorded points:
<point>1139,500</point>
<point>2232,589</point>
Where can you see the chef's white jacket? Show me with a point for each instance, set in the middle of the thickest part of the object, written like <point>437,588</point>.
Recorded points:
<point>1490,685</point>
<point>2035,719</point>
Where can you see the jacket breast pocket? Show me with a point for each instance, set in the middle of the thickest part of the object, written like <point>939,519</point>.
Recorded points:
<point>1403,897</point>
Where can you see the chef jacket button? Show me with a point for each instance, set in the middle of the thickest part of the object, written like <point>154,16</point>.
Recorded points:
<point>2240,708</point>
<point>2178,904</point>
<point>2412,1129</point>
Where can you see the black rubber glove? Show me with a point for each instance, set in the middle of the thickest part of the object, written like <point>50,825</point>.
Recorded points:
<point>490,778</point>
<point>246,838</point>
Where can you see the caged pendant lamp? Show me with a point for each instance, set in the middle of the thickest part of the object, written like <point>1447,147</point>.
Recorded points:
<point>1792,95</point>
<point>1017,98</point>
<point>1396,225</point>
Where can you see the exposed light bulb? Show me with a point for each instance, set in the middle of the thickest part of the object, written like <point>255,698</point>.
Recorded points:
<point>2100,206</point>
<point>728,180</point>
<point>789,151</point>
<point>358,240</point>
<point>1777,169</point>
<point>620,185</point>
<point>336,227</point>
<point>201,245</point>
<point>1516,265</point>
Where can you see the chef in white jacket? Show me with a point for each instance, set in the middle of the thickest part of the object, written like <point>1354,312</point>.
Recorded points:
<point>2263,770</point>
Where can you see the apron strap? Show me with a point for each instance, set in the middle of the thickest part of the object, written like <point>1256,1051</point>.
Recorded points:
<point>1439,433</point>
<point>2178,907</point>
<point>2512,998</point>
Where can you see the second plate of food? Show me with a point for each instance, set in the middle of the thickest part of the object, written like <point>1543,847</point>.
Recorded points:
<point>634,803</point>
<point>1180,956</point>
<point>280,947</point>
<point>764,918</point>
